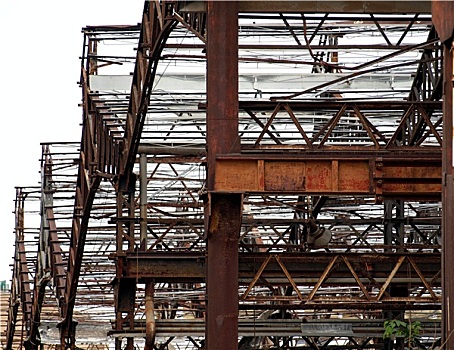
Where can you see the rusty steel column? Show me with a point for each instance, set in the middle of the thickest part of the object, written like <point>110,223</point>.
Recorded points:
<point>447,201</point>
<point>443,19</point>
<point>222,82</point>
<point>222,211</point>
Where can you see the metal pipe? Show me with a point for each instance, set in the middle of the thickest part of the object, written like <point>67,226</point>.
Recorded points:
<point>149,316</point>
<point>143,201</point>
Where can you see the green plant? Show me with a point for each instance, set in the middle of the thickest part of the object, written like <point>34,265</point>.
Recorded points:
<point>400,329</point>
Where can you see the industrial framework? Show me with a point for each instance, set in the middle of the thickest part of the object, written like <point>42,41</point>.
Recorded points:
<point>250,175</point>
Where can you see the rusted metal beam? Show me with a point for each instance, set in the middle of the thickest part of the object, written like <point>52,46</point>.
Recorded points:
<point>190,267</point>
<point>14,304</point>
<point>49,261</point>
<point>32,342</point>
<point>397,7</point>
<point>88,181</point>
<point>21,295</point>
<point>222,86</point>
<point>52,241</point>
<point>222,211</point>
<point>222,231</point>
<point>157,23</point>
<point>418,121</point>
<point>320,174</point>
<point>335,105</point>
<point>84,200</point>
<point>348,6</point>
<point>290,46</point>
<point>443,14</point>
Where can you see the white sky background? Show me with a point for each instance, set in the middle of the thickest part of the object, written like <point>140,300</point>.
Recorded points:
<point>41,42</point>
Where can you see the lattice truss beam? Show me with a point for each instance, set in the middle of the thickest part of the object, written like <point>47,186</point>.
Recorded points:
<point>340,126</point>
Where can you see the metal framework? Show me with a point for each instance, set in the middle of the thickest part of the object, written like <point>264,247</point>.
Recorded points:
<point>250,175</point>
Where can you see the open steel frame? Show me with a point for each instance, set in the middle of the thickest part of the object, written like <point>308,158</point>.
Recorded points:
<point>250,175</point>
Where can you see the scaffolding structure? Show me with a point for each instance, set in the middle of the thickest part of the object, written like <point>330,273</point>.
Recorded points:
<point>250,175</point>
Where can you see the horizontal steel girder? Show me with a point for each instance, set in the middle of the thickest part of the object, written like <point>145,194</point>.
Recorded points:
<point>404,176</point>
<point>304,269</point>
<point>322,6</point>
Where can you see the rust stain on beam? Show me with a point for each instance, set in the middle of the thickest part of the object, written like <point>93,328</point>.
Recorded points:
<point>442,15</point>
<point>366,176</point>
<point>312,176</point>
<point>222,211</point>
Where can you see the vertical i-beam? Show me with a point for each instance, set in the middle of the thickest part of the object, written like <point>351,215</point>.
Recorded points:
<point>447,201</point>
<point>443,19</point>
<point>222,210</point>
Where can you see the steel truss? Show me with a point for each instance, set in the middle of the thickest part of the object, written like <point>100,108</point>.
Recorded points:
<point>188,214</point>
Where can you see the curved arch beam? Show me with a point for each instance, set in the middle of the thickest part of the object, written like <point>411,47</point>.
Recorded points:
<point>157,24</point>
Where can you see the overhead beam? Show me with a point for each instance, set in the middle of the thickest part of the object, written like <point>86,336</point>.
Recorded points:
<point>267,6</point>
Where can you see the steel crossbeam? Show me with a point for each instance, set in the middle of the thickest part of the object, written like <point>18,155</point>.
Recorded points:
<point>406,177</point>
<point>302,270</point>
